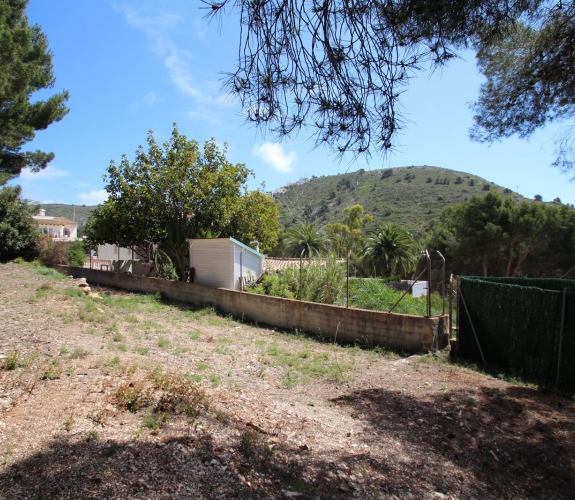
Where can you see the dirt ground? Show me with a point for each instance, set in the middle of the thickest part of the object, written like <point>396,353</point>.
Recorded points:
<point>125,396</point>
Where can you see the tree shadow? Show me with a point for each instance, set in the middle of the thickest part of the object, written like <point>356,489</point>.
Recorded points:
<point>510,443</point>
<point>493,444</point>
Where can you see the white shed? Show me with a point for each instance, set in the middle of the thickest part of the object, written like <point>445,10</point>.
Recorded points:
<point>222,262</point>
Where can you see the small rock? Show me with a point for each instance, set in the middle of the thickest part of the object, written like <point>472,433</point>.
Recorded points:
<point>292,494</point>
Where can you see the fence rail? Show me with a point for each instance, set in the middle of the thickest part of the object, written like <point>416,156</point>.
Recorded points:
<point>100,264</point>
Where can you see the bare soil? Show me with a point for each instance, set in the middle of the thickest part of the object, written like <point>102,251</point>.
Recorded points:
<point>275,415</point>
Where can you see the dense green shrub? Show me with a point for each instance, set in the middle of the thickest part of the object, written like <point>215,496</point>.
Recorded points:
<point>17,228</point>
<point>320,283</point>
<point>76,253</point>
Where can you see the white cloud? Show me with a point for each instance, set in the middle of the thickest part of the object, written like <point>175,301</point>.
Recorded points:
<point>273,154</point>
<point>152,23</point>
<point>180,73</point>
<point>93,197</point>
<point>47,173</point>
<point>175,59</point>
<point>150,98</point>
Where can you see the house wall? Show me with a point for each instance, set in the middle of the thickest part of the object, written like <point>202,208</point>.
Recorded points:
<point>109,251</point>
<point>212,261</point>
<point>57,231</point>
<point>251,264</point>
<point>396,331</point>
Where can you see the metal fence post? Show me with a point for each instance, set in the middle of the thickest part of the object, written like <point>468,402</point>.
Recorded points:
<point>561,337</point>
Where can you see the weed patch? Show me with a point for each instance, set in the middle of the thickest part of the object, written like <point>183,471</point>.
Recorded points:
<point>133,396</point>
<point>53,371</point>
<point>12,360</point>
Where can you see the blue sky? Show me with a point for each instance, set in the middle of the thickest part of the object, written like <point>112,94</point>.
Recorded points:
<point>133,66</point>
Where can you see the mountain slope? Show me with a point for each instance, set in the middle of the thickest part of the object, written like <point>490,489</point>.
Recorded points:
<point>410,196</point>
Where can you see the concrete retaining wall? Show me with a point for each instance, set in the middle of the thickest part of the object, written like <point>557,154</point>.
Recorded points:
<point>395,331</point>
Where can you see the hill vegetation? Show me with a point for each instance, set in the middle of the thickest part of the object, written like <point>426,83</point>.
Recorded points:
<point>409,196</point>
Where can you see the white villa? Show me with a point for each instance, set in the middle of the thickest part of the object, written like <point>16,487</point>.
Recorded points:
<point>57,227</point>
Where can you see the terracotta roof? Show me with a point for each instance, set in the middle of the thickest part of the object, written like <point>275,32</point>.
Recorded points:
<point>275,264</point>
<point>54,221</point>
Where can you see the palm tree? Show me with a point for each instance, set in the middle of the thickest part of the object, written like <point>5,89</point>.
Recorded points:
<point>307,238</point>
<point>391,249</point>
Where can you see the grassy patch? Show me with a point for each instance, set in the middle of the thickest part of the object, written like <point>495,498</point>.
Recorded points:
<point>70,291</point>
<point>304,364</point>
<point>164,343</point>
<point>12,360</point>
<point>194,335</point>
<point>79,352</point>
<point>53,370</point>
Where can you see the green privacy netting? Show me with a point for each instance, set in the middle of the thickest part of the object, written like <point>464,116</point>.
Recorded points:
<point>517,322</point>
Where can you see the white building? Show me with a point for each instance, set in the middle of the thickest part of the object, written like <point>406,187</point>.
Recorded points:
<point>114,252</point>
<point>224,262</point>
<point>57,227</point>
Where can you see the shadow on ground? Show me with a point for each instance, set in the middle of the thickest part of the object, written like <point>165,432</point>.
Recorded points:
<point>495,443</point>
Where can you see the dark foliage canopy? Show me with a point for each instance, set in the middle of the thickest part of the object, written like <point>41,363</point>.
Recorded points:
<point>25,67</point>
<point>492,236</point>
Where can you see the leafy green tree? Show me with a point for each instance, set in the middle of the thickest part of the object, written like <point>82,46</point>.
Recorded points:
<point>495,237</point>
<point>18,231</point>
<point>348,235</point>
<point>306,238</point>
<point>176,191</point>
<point>25,67</point>
<point>390,249</point>
<point>339,67</point>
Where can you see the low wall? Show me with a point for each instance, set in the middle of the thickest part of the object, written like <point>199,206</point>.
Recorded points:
<point>395,331</point>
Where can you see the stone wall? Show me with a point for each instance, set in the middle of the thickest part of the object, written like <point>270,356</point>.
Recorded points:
<point>394,331</point>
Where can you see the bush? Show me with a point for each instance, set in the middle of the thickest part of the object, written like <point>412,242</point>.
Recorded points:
<point>17,228</point>
<point>51,252</point>
<point>320,283</point>
<point>76,253</point>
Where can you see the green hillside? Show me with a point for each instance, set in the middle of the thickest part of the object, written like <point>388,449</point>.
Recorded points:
<point>410,196</point>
